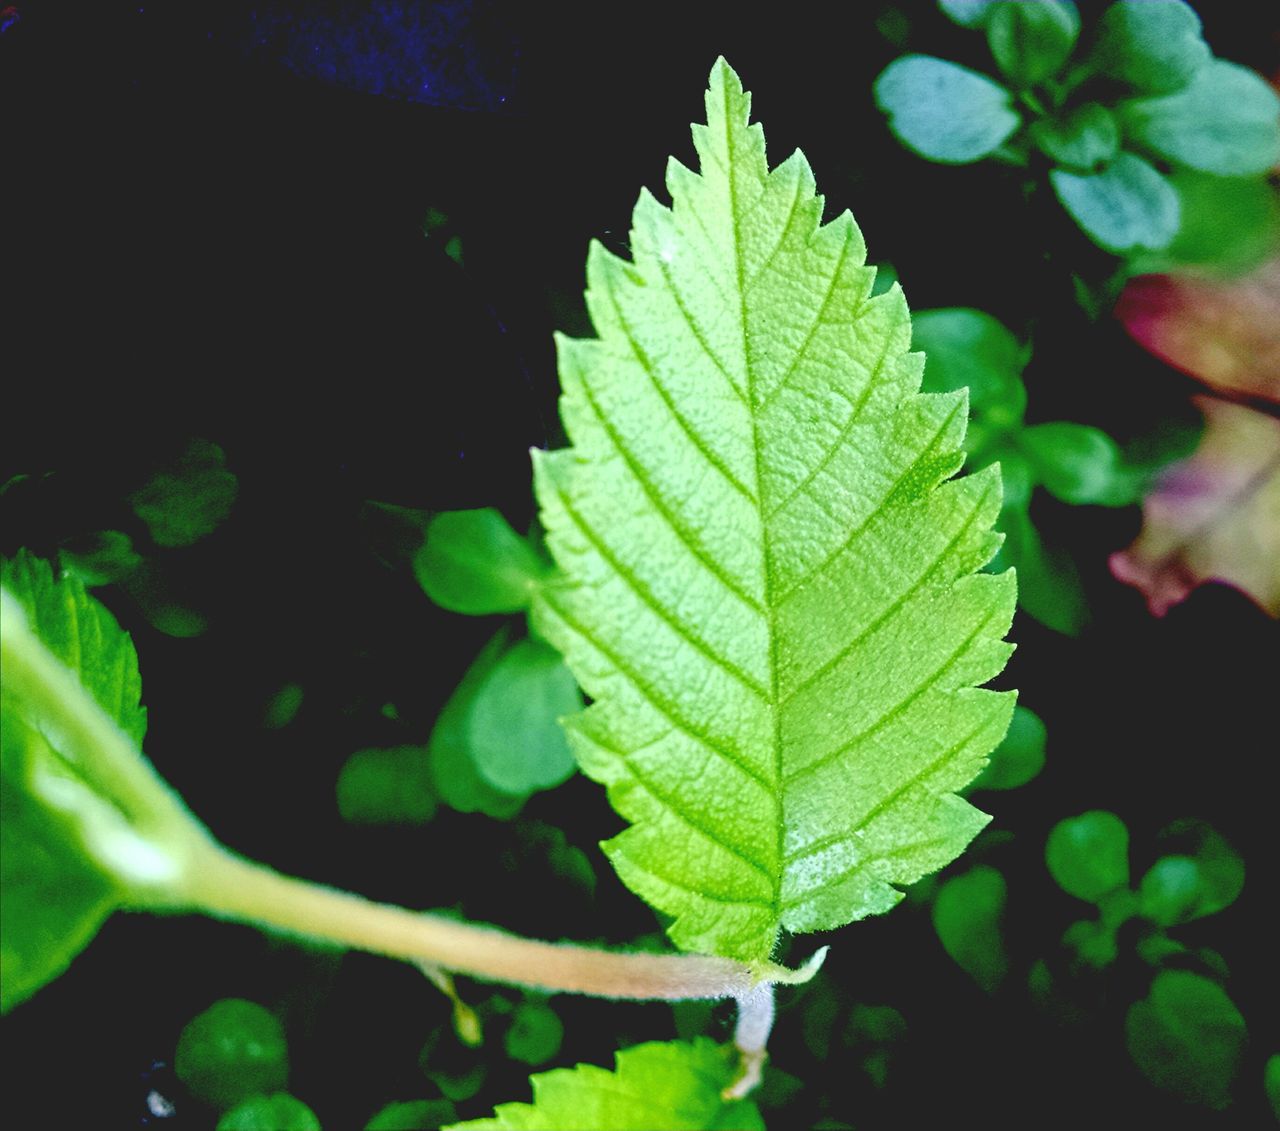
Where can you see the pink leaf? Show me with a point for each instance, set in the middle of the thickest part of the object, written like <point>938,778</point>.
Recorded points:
<point>1224,332</point>
<point>1214,516</point>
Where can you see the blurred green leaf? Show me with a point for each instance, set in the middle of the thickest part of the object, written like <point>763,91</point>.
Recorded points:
<point>1127,205</point>
<point>473,562</point>
<point>1187,1037</point>
<point>1078,464</point>
<point>535,1033</point>
<point>1229,225</point>
<point>1019,758</point>
<point>1092,942</point>
<point>968,13</point>
<point>1170,890</point>
<point>413,1115</point>
<point>967,916</point>
<point>191,498</point>
<point>1219,868</point>
<point>969,348</point>
<point>513,723</point>
<point>1153,45</point>
<point>1083,139</point>
<point>1271,1083</point>
<point>283,707</point>
<point>1049,586</point>
<point>1088,855</point>
<point>1227,121</point>
<point>100,559</point>
<point>233,1050</point>
<point>1031,42</point>
<point>386,786</point>
<point>277,1112</point>
<point>944,111</point>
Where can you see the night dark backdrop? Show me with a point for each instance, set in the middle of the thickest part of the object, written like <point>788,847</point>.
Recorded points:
<point>211,226</point>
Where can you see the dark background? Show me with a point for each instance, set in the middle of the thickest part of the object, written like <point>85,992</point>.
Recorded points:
<point>211,223</point>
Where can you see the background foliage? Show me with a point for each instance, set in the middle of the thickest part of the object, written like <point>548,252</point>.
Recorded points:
<point>216,222</point>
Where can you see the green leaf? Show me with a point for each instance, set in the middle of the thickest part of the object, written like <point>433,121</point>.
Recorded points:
<point>1078,464</point>
<point>1049,586</point>
<point>1020,757</point>
<point>103,558</point>
<point>535,1033</point>
<point>1170,890</point>
<point>968,13</point>
<point>767,586</point>
<point>1153,45</point>
<point>1088,855</point>
<point>1187,1037</point>
<point>387,786</point>
<point>969,348</point>
<point>1128,205</point>
<point>1084,139</point>
<point>1229,225</point>
<point>1031,42</point>
<point>57,891</point>
<point>454,776</point>
<point>1219,870</point>
<point>189,499</point>
<point>412,1115</point>
<point>944,111</point>
<point>233,1050</point>
<point>1226,122</point>
<point>656,1087</point>
<point>473,562</point>
<point>1271,1083</point>
<point>513,724</point>
<point>966,915</point>
<point>278,1112</point>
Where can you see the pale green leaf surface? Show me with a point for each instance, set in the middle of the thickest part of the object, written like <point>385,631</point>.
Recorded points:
<point>768,588</point>
<point>1154,45</point>
<point>1128,205</point>
<point>659,1086</point>
<point>1227,121</point>
<point>473,562</point>
<point>1083,139</point>
<point>944,111</point>
<point>968,13</point>
<point>1031,42</point>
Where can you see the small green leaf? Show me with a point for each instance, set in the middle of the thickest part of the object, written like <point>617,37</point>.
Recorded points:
<point>1219,868</point>
<point>1093,943</point>
<point>189,499</point>
<point>454,775</point>
<point>413,1115</point>
<point>657,1086</point>
<point>535,1033</point>
<point>1229,225</point>
<point>944,111</point>
<point>1170,890</point>
<point>473,562</point>
<point>1084,139</point>
<point>233,1050</point>
<point>1226,122</point>
<point>277,1112</point>
<point>968,13</point>
<point>1271,1083</point>
<point>1078,464</point>
<point>967,916</point>
<point>513,724</point>
<point>101,559</point>
<point>1031,42</point>
<point>969,348</point>
<point>1187,1037</point>
<point>1020,757</point>
<point>1088,855</point>
<point>1153,45</point>
<point>386,786</point>
<point>1128,205</point>
<point>1049,586</point>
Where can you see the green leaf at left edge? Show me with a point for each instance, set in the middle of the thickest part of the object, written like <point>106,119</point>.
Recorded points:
<point>659,1086</point>
<point>768,585</point>
<point>56,895</point>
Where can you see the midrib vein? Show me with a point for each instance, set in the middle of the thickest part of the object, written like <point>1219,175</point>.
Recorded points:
<point>765,545</point>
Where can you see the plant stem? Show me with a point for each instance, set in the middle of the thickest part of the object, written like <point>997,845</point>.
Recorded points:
<point>225,885</point>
